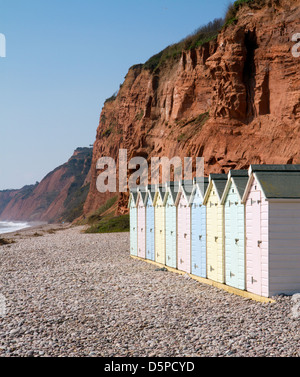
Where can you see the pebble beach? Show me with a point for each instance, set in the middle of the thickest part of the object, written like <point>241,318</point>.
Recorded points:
<point>73,294</point>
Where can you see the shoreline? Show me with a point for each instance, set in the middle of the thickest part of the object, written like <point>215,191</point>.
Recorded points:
<point>35,229</point>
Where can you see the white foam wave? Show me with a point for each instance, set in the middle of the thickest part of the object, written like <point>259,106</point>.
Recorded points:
<point>11,226</point>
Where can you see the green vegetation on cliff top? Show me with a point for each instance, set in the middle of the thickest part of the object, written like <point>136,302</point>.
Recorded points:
<point>200,36</point>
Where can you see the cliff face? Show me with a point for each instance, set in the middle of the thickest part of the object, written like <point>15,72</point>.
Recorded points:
<point>234,101</point>
<point>59,196</point>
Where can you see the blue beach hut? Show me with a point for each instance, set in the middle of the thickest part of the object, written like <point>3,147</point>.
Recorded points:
<point>198,227</point>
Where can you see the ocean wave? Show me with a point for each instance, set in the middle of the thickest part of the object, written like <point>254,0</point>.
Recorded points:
<point>11,226</point>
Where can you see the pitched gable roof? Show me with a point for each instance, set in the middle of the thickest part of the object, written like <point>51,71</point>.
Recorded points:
<point>280,185</point>
<point>151,192</point>
<point>172,189</point>
<point>133,197</point>
<point>160,190</point>
<point>187,188</point>
<point>202,184</point>
<point>273,168</point>
<point>219,181</point>
<point>142,194</point>
<point>275,181</point>
<point>240,179</point>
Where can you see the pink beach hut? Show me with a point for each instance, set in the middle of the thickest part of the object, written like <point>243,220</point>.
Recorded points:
<point>272,226</point>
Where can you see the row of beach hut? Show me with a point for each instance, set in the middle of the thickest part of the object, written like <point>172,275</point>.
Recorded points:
<point>241,229</point>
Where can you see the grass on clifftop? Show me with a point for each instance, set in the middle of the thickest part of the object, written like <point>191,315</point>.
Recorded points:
<point>201,36</point>
<point>231,14</point>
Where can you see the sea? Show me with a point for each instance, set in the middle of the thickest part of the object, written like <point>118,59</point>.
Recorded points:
<point>12,226</point>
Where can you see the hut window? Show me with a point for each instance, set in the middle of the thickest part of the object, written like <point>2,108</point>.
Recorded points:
<point>232,190</point>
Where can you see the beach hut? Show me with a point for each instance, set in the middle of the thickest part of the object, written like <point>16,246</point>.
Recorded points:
<point>150,229</point>
<point>160,224</point>
<point>234,227</point>
<point>272,200</point>
<point>184,226</point>
<point>215,227</point>
<point>141,222</point>
<point>198,227</point>
<point>133,222</point>
<point>171,223</point>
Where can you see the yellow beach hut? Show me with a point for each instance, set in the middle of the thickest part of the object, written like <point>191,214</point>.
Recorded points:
<point>215,227</point>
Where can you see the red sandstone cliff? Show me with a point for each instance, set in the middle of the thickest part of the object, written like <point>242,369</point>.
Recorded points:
<point>234,101</point>
<point>59,196</point>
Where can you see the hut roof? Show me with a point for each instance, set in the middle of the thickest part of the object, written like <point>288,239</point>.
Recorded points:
<point>280,185</point>
<point>219,181</point>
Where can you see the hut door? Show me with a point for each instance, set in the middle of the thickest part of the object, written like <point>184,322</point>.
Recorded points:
<point>141,232</point>
<point>187,239</point>
<point>184,237</point>
<point>232,243</point>
<point>255,277</point>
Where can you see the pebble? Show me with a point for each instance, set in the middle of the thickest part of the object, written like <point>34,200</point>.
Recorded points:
<point>76,294</point>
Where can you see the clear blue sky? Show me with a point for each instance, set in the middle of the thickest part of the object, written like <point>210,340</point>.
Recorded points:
<point>64,58</point>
